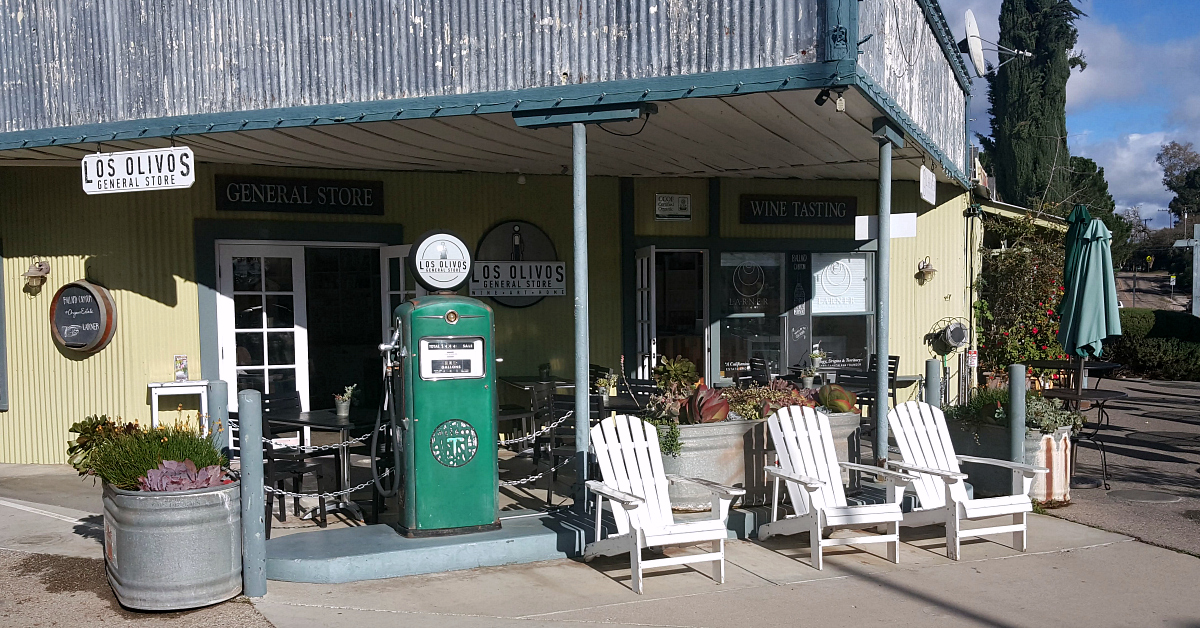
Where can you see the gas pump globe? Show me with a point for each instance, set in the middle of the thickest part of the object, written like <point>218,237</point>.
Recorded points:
<point>444,379</point>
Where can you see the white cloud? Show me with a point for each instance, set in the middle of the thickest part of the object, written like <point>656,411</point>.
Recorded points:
<point>1134,178</point>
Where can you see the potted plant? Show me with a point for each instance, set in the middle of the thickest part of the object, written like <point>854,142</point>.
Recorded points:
<point>342,402</point>
<point>979,427</point>
<point>815,358</point>
<point>606,387</point>
<point>172,512</point>
<point>806,377</point>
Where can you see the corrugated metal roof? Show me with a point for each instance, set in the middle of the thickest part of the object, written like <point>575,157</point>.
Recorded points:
<point>74,62</point>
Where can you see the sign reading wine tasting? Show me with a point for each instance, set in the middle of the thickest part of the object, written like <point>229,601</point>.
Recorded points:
<point>757,209</point>
<point>305,196</point>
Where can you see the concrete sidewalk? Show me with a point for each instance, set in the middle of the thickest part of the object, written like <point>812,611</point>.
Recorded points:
<point>1072,576</point>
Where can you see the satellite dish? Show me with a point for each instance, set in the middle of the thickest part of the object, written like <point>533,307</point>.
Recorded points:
<point>975,45</point>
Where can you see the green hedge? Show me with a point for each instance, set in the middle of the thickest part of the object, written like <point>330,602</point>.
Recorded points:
<point>1138,323</point>
<point>1159,344</point>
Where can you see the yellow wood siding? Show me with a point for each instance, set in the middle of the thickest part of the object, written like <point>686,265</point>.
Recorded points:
<point>140,246</point>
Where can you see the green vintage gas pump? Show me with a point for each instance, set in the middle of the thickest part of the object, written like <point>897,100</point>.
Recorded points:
<point>444,386</point>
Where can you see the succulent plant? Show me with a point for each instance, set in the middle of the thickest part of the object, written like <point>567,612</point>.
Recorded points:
<point>172,475</point>
<point>705,405</point>
<point>676,376</point>
<point>837,399</point>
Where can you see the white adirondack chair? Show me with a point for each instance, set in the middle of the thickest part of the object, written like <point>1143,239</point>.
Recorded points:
<point>812,473</point>
<point>920,431</point>
<point>630,462</point>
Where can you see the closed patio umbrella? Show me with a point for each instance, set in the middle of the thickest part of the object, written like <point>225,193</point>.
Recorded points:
<point>1089,311</point>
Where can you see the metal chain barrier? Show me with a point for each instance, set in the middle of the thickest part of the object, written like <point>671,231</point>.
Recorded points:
<point>311,448</point>
<point>283,493</point>
<point>535,478</point>
<point>520,439</point>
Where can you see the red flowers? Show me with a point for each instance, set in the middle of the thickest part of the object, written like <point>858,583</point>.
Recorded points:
<point>1035,330</point>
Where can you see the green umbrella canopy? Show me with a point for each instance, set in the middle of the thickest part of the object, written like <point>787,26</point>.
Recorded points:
<point>1088,311</point>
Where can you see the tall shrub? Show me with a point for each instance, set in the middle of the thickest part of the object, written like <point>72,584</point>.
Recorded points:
<point>1020,288</point>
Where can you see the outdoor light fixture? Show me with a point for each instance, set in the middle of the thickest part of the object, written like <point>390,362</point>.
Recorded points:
<point>36,275</point>
<point>822,98</point>
<point>925,270</point>
<point>840,103</point>
<point>520,179</point>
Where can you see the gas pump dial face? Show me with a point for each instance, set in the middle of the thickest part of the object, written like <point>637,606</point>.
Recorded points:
<point>454,443</point>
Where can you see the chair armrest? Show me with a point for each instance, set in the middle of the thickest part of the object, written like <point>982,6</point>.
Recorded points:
<point>948,476</point>
<point>903,478</point>
<point>719,489</point>
<point>629,502</point>
<point>809,484</point>
<point>1015,466</point>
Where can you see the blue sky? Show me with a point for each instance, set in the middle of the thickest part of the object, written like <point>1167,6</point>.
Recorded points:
<point>1141,88</point>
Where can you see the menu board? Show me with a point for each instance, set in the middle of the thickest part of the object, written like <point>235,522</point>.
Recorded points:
<point>454,357</point>
<point>799,314</point>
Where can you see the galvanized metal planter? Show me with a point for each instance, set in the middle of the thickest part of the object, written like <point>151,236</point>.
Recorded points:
<point>1052,451</point>
<point>173,550</point>
<point>734,453</point>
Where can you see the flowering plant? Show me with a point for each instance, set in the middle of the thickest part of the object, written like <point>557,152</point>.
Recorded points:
<point>347,395</point>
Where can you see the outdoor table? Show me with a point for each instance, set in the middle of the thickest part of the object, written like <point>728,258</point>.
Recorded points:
<point>622,404</point>
<point>361,418</point>
<point>527,382</point>
<point>1098,398</point>
<point>1101,368</point>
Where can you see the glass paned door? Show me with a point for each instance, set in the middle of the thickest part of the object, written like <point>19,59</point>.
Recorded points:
<point>647,335</point>
<point>262,320</point>
<point>397,283</point>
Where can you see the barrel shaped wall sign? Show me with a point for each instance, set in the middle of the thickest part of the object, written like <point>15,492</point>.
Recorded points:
<point>83,317</point>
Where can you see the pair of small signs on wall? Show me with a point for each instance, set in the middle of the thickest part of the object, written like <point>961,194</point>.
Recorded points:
<point>515,264</point>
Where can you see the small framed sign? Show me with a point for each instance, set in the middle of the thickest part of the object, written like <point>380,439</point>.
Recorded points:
<point>928,186</point>
<point>672,206</point>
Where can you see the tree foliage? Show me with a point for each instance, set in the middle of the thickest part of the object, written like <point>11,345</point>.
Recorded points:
<point>1089,187</point>
<point>1020,288</point>
<point>1181,175</point>
<point>1028,97</point>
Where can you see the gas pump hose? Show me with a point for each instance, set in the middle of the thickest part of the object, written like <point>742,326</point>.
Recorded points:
<point>393,434</point>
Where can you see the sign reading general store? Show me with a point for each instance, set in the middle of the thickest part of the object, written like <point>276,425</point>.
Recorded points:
<point>139,170</point>
<point>519,279</point>
<point>758,209</point>
<point>309,196</point>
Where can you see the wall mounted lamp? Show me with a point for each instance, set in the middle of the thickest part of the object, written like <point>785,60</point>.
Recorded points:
<point>36,275</point>
<point>925,270</point>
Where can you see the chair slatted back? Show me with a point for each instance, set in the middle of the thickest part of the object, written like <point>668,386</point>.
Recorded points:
<point>921,435</point>
<point>804,444</point>
<point>630,460</point>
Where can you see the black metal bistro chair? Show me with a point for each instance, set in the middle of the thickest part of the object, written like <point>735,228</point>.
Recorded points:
<point>521,418</point>
<point>281,463</point>
<point>560,441</point>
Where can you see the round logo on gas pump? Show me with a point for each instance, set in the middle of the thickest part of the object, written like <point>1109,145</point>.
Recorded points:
<point>454,443</point>
<point>440,261</point>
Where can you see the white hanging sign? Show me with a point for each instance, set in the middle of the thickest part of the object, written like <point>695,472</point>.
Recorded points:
<point>139,170</point>
<point>928,186</point>
<point>840,284</point>
<point>440,261</point>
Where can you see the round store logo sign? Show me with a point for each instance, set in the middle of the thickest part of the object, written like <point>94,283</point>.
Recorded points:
<point>440,261</point>
<point>454,443</point>
<point>749,280</point>
<point>836,278</point>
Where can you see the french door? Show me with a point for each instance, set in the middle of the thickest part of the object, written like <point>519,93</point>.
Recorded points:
<point>262,321</point>
<point>647,340</point>
<point>396,285</point>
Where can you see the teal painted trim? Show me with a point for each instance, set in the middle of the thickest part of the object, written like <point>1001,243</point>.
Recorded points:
<point>888,107</point>
<point>3,341</point>
<point>945,37</point>
<point>840,42</point>
<point>716,245</point>
<point>884,131</point>
<point>656,89</point>
<point>206,232</point>
<point>628,271</point>
<point>597,114</point>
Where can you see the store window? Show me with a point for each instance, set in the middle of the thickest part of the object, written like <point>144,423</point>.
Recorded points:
<point>843,307</point>
<point>750,287</point>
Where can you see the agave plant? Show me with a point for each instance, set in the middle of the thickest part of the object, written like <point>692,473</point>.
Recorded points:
<point>172,475</point>
<point>837,399</point>
<point>676,376</point>
<point>705,405</point>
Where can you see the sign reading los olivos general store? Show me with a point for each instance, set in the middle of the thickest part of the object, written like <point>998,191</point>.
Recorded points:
<point>797,210</point>
<point>139,170</point>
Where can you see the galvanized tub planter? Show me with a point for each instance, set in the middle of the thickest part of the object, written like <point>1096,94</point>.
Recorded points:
<point>734,453</point>
<point>1052,451</point>
<point>173,550</point>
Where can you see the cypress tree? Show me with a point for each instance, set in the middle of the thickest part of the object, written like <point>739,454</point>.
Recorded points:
<point>1028,148</point>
